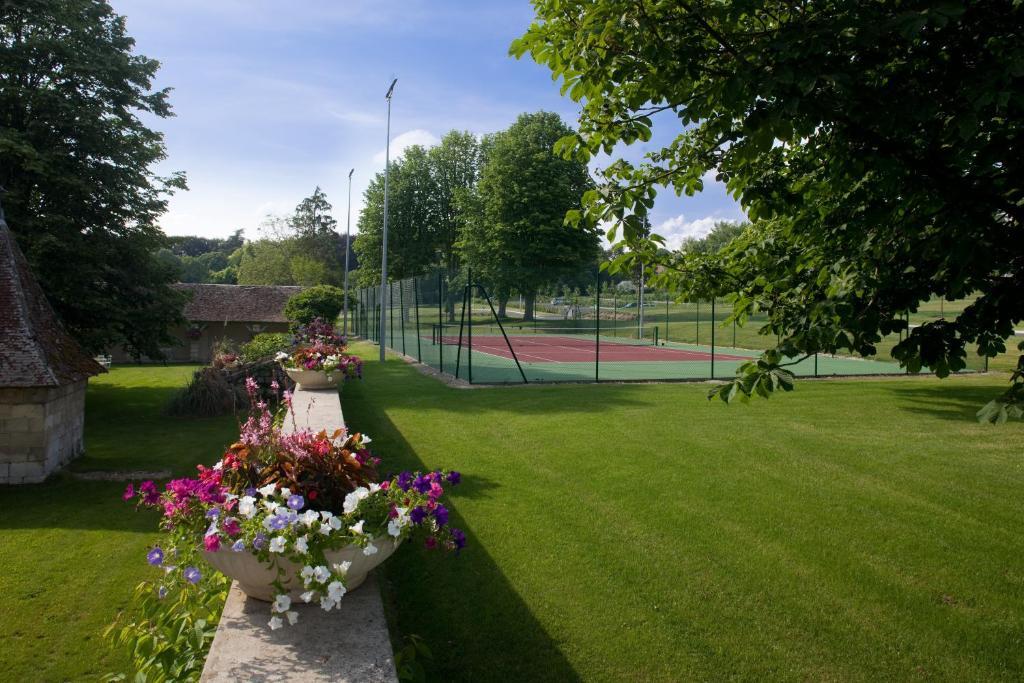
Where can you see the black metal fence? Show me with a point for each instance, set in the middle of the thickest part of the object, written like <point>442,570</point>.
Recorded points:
<point>608,333</point>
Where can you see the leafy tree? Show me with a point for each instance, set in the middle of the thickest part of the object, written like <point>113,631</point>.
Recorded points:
<point>322,301</point>
<point>266,262</point>
<point>411,243</point>
<point>877,147</point>
<point>721,234</point>
<point>520,240</point>
<point>76,160</point>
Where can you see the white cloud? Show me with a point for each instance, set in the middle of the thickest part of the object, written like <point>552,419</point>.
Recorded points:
<point>677,229</point>
<point>417,136</point>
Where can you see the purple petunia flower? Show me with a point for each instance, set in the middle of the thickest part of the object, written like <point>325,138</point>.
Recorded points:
<point>150,495</point>
<point>459,537</point>
<point>129,492</point>
<point>162,592</point>
<point>259,541</point>
<point>417,515</point>
<point>212,513</point>
<point>192,575</point>
<point>155,557</point>
<point>454,477</point>
<point>251,491</point>
<point>404,480</point>
<point>295,501</point>
<point>278,522</point>
<point>441,515</point>
<point>421,484</point>
<point>238,546</point>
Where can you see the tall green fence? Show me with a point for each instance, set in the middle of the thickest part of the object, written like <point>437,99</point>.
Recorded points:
<point>452,323</point>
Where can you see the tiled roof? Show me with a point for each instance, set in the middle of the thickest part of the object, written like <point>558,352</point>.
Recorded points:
<point>237,303</point>
<point>35,350</point>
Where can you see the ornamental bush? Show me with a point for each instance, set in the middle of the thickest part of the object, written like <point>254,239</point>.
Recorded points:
<point>265,345</point>
<point>321,301</point>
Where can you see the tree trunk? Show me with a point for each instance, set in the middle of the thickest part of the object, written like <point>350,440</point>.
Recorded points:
<point>528,308</point>
<point>502,305</point>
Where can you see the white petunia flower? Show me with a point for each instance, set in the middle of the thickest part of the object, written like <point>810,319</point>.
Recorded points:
<point>374,488</point>
<point>308,596</point>
<point>292,617</point>
<point>370,549</point>
<point>307,575</point>
<point>281,355</point>
<point>335,590</point>
<point>270,505</point>
<point>302,544</point>
<point>357,528</point>
<point>275,623</point>
<point>327,604</point>
<point>281,603</point>
<point>341,567</point>
<point>321,574</point>
<point>277,544</point>
<point>352,499</point>
<point>309,516</point>
<point>247,506</point>
<point>366,439</point>
<point>267,490</point>
<point>395,528</point>
<point>285,492</point>
<point>334,523</point>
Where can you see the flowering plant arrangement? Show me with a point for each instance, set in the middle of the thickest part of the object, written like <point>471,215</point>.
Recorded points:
<point>290,500</point>
<point>319,347</point>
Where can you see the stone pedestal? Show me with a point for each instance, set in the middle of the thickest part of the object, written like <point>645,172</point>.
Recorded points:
<point>40,430</point>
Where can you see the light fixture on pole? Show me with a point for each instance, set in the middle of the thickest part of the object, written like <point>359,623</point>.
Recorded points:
<point>384,237</point>
<point>348,241</point>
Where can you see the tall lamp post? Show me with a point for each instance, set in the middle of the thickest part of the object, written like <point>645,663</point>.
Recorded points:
<point>348,240</point>
<point>384,240</point>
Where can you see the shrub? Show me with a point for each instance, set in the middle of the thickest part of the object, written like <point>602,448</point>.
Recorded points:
<point>207,394</point>
<point>265,345</point>
<point>321,301</point>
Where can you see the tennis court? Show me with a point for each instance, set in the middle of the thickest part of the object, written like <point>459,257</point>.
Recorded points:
<point>450,324</point>
<point>489,354</point>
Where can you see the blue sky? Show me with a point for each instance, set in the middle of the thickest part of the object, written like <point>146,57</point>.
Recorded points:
<point>274,98</point>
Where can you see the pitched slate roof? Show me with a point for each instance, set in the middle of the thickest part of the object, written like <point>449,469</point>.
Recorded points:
<point>35,349</point>
<point>237,303</point>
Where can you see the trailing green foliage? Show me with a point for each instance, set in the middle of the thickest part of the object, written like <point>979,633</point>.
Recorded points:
<point>265,345</point>
<point>169,637</point>
<point>411,658</point>
<point>877,148</point>
<point>323,301</point>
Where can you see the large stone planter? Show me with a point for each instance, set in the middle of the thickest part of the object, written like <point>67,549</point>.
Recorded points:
<point>314,379</point>
<point>255,577</point>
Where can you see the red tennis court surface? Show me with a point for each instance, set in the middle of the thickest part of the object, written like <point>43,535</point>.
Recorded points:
<point>556,349</point>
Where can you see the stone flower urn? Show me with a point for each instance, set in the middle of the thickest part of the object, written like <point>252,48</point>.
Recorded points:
<point>313,379</point>
<point>255,577</point>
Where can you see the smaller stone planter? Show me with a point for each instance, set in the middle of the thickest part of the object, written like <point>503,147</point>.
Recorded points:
<point>255,577</point>
<point>314,379</point>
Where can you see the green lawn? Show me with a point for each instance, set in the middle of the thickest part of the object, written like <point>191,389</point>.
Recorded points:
<point>854,530</point>
<point>71,551</point>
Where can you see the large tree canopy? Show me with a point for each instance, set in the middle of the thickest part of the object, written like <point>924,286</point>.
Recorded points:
<point>516,237</point>
<point>878,145</point>
<point>75,160</point>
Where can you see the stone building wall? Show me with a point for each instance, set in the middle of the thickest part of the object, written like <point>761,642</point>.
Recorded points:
<point>201,350</point>
<point>40,430</point>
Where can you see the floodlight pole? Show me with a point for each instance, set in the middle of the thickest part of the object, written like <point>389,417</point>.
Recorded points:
<point>640,332</point>
<point>348,240</point>
<point>384,239</point>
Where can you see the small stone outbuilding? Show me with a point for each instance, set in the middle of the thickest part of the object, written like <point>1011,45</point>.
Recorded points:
<point>43,374</point>
<point>222,313</point>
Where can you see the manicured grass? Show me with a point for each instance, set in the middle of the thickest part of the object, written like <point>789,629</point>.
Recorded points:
<point>854,530</point>
<point>71,551</point>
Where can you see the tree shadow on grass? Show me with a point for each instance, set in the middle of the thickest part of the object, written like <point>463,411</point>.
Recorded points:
<point>396,384</point>
<point>476,625</point>
<point>942,400</point>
